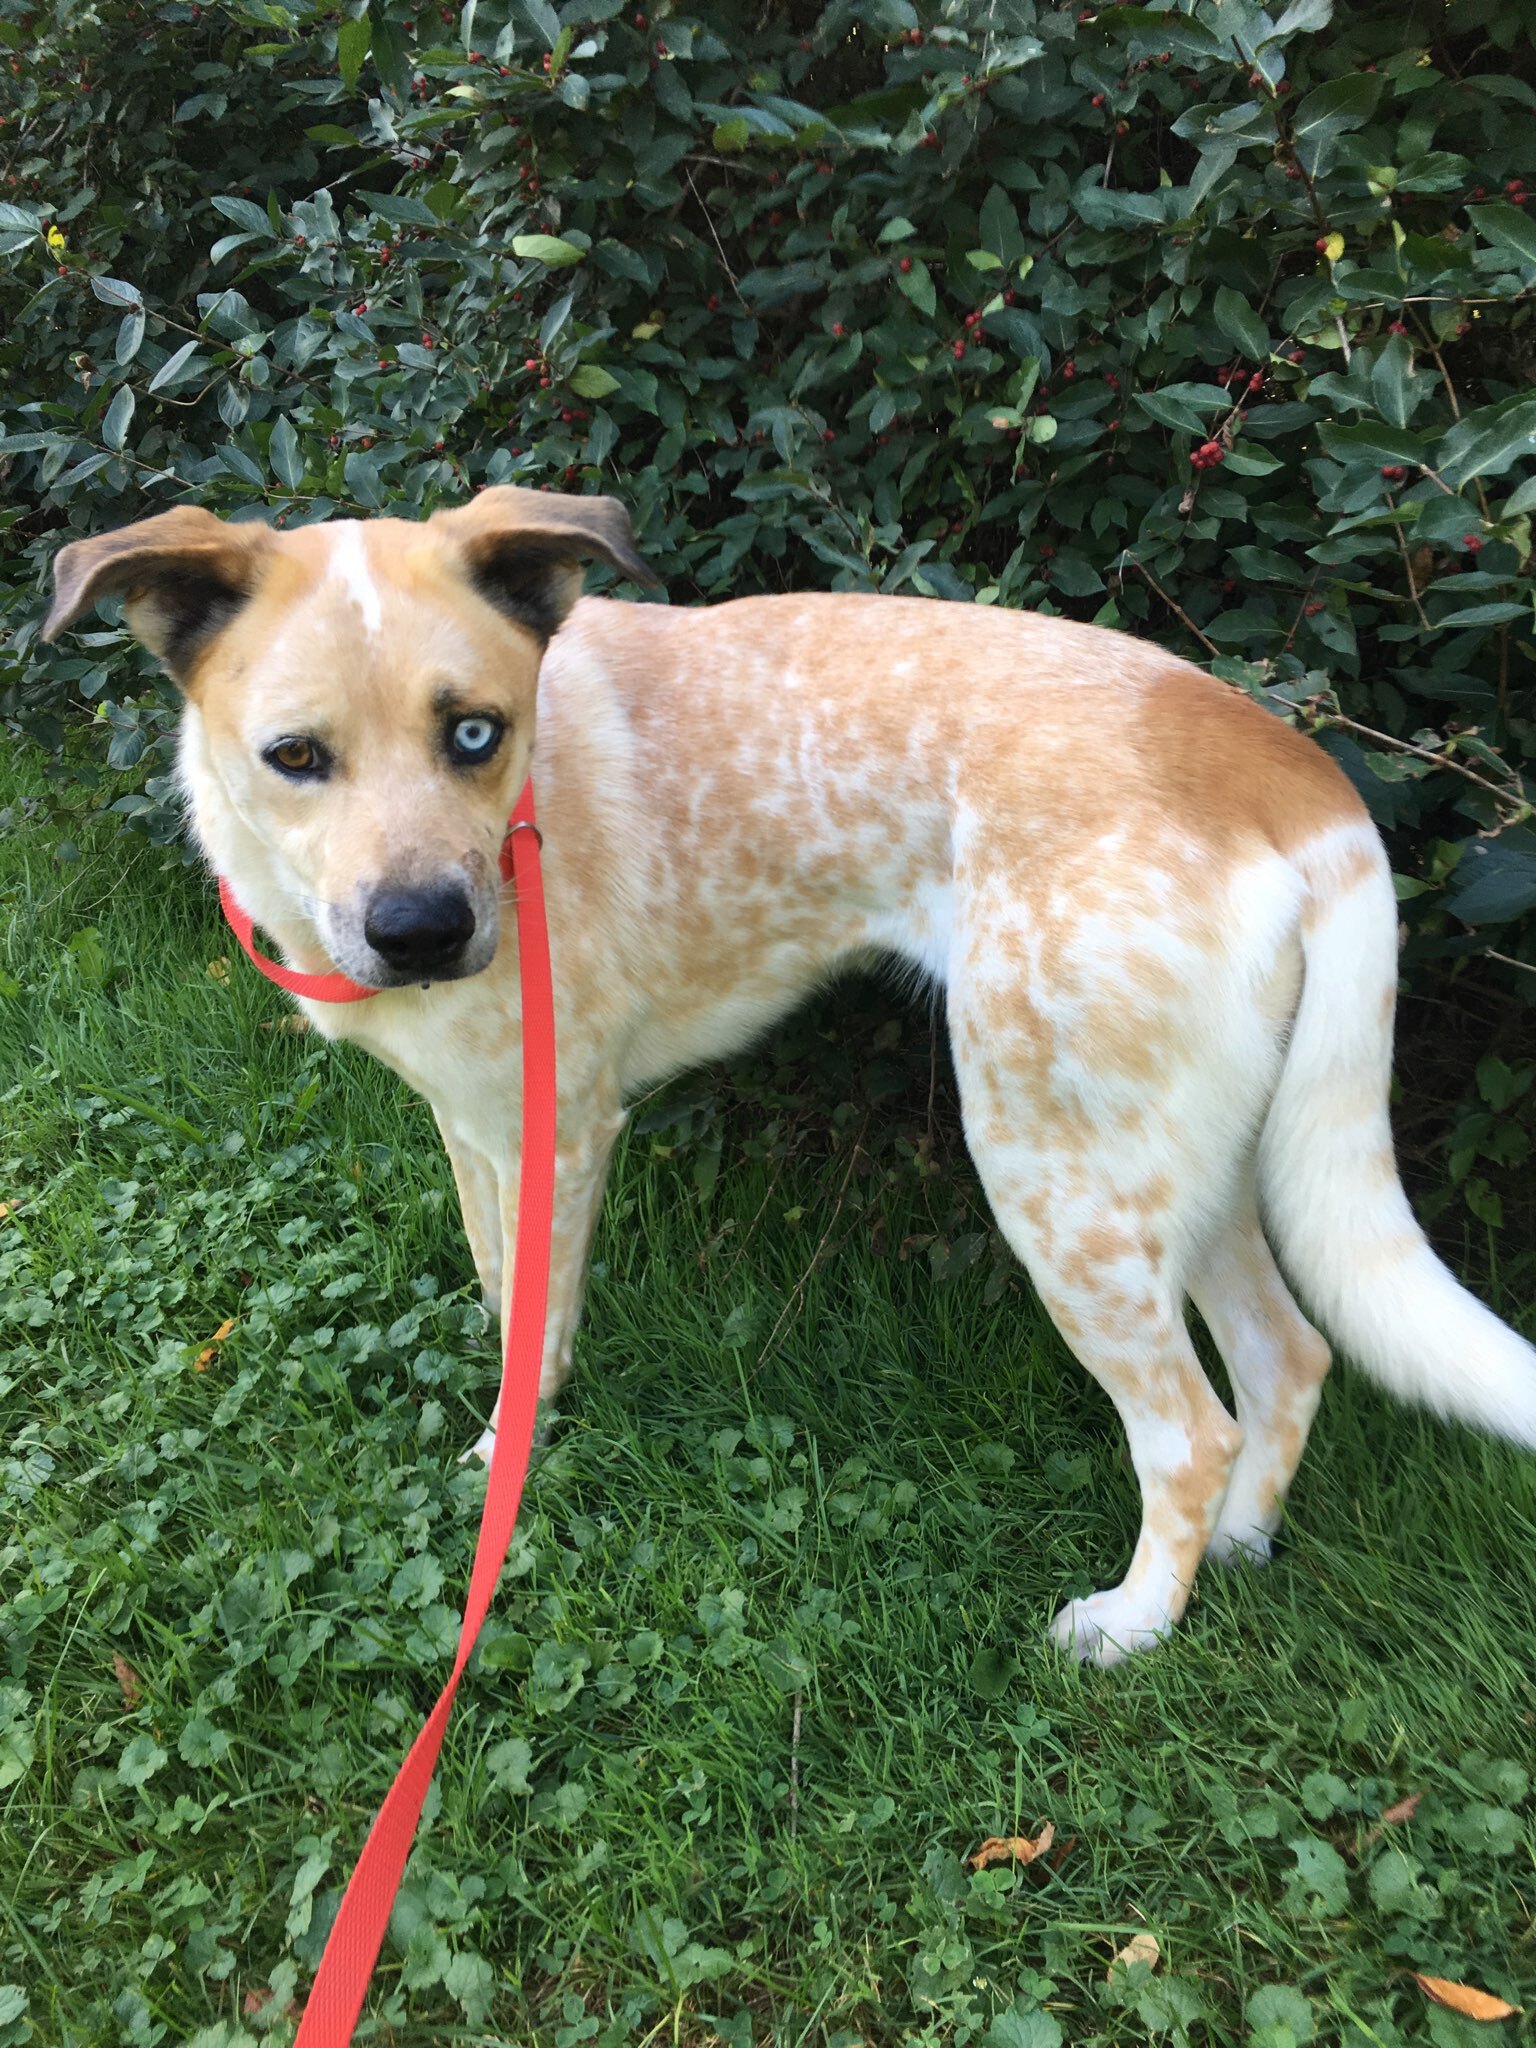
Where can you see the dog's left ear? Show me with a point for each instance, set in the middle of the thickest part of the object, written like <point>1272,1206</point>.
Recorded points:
<point>523,550</point>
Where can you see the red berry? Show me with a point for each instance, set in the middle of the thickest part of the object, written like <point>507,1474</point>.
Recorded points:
<point>1256,381</point>
<point>1097,100</point>
<point>543,383</point>
<point>828,434</point>
<point>1297,355</point>
<point>1069,369</point>
<point>438,447</point>
<point>958,350</point>
<point>905,265</point>
<point>1313,609</point>
<point>1472,542</point>
<point>712,303</point>
<point>1396,327</point>
<point>1321,243</point>
<point>1394,472</point>
<point>1284,86</point>
<point>1122,127</point>
<point>641,22</point>
<point>838,329</point>
<point>1112,424</point>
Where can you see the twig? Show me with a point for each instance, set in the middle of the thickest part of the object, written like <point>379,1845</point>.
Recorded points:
<point>797,1292</point>
<point>1208,644</point>
<point>794,1770</point>
<point>1385,739</point>
<point>709,219</point>
<point>1413,588</point>
<point>1338,321</point>
<point>1524,965</point>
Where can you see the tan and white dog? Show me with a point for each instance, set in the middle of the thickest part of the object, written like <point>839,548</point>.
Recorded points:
<point>1163,923</point>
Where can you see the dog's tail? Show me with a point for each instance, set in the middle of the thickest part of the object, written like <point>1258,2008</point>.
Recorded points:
<point>1332,1201</point>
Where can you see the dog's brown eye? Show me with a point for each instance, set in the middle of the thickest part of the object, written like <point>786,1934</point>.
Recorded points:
<point>296,757</point>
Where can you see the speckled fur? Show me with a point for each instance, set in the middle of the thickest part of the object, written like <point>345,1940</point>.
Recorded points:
<point>1154,911</point>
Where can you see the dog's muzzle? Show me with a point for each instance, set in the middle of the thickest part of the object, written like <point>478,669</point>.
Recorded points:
<point>420,932</point>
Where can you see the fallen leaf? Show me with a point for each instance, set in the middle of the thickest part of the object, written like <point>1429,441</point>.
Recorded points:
<point>8,1209</point>
<point>223,1331</point>
<point>1063,1851</point>
<point>1466,1999</point>
<point>1141,1948</point>
<point>1405,1809</point>
<point>1013,1848</point>
<point>294,1024</point>
<point>205,1358</point>
<point>218,970</point>
<point>129,1683</point>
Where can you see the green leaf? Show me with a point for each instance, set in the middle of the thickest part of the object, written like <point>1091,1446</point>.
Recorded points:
<point>1503,614</point>
<point>731,135</point>
<point>140,1761</point>
<point>1486,442</point>
<point>362,477</point>
<point>130,334</point>
<point>175,367</point>
<point>327,131</point>
<point>1240,324</point>
<point>1024,2025</point>
<point>1507,227</point>
<point>1319,1885</point>
<point>114,428</point>
<point>1392,382</point>
<point>898,230</point>
<point>1279,2016</point>
<point>1328,112</point>
<point>116,291</point>
<point>352,38</point>
<point>548,249</point>
<point>239,464</point>
<point>918,286</point>
<point>992,1672</point>
<point>591,380</point>
<point>285,455</point>
<point>245,213</point>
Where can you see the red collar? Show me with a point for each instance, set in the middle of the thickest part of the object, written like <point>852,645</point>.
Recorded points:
<point>341,988</point>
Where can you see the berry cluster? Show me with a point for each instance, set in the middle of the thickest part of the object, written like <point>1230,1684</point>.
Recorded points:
<point>1209,455</point>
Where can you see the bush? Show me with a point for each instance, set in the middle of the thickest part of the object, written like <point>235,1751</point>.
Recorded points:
<point>1202,322</point>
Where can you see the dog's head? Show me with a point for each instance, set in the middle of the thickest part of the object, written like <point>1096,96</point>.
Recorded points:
<point>364,696</point>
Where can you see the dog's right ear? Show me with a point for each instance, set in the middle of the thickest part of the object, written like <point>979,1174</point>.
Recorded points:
<point>184,574</point>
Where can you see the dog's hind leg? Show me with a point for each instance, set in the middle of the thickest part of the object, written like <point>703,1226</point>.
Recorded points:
<point>1116,1042</point>
<point>1277,1364</point>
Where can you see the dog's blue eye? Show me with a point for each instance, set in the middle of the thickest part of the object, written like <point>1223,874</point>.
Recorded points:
<point>474,739</point>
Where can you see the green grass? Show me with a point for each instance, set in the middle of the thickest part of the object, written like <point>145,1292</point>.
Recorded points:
<point>767,1663</point>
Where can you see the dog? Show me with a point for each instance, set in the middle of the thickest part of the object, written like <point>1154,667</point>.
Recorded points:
<point>1162,920</point>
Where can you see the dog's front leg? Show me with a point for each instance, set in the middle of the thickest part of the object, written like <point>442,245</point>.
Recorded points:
<point>479,1186</point>
<point>584,1146</point>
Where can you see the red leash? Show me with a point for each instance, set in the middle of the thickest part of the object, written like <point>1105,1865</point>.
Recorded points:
<point>341,1982</point>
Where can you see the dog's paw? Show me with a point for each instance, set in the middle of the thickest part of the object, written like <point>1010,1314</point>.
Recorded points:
<point>482,1448</point>
<point>485,1443</point>
<point>1240,1545</point>
<point>1106,1628</point>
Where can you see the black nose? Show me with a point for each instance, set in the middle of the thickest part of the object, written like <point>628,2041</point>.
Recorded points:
<point>419,931</point>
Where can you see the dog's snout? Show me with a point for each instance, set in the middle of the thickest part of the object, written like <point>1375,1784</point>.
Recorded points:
<point>419,931</point>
